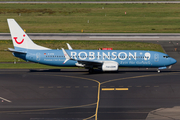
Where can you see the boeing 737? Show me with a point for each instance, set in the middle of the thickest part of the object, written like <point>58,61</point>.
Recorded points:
<point>106,60</point>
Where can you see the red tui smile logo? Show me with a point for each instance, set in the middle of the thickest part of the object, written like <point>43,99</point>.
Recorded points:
<point>15,38</point>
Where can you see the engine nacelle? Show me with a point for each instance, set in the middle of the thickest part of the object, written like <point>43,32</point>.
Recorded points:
<point>110,66</point>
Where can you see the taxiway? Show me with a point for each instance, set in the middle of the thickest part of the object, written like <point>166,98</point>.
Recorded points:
<point>74,94</point>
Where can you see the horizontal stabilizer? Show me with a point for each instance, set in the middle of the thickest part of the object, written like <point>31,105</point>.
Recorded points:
<point>16,51</point>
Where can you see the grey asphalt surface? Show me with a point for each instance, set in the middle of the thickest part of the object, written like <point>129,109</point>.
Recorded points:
<point>72,94</point>
<point>100,36</point>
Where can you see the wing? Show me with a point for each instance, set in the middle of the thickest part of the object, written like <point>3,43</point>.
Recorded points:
<point>69,47</point>
<point>88,63</point>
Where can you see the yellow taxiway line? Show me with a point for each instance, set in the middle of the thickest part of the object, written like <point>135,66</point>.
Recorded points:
<point>121,88</point>
<point>111,89</point>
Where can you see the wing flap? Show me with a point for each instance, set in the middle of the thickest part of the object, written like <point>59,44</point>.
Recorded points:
<point>90,62</point>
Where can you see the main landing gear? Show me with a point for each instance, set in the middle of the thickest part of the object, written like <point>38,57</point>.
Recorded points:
<point>158,71</point>
<point>91,70</point>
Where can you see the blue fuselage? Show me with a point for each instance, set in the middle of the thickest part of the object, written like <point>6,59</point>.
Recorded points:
<point>125,58</point>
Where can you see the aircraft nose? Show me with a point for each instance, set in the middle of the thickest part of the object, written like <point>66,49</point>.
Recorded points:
<point>173,61</point>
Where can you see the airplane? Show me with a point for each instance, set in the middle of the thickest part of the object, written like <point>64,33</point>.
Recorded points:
<point>106,60</point>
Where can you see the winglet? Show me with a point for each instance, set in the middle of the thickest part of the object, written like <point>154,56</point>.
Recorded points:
<point>66,56</point>
<point>69,47</point>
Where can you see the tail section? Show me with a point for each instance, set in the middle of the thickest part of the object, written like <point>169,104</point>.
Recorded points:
<point>20,39</point>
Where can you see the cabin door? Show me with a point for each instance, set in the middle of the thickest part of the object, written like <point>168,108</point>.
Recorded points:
<point>156,57</point>
<point>38,56</point>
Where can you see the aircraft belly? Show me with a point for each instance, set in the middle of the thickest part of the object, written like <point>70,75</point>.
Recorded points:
<point>55,62</point>
<point>19,55</point>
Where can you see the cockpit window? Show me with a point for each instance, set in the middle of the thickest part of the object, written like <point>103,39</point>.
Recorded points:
<point>165,56</point>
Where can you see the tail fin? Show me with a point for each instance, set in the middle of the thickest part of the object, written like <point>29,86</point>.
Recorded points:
<point>20,38</point>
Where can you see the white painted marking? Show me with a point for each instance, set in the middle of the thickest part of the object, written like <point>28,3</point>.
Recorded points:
<point>122,37</point>
<point>5,99</point>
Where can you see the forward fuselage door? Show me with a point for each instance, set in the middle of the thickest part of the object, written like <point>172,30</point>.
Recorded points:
<point>156,57</point>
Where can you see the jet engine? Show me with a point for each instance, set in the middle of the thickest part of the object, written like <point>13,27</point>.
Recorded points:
<point>110,66</point>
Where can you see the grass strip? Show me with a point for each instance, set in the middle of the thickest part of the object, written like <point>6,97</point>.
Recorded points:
<point>92,18</point>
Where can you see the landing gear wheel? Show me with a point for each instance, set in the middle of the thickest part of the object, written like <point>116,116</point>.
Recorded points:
<point>158,71</point>
<point>91,70</point>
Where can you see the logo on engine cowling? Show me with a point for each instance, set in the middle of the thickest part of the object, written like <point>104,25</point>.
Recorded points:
<point>110,66</point>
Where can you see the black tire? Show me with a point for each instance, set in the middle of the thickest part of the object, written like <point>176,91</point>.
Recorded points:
<point>91,70</point>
